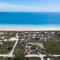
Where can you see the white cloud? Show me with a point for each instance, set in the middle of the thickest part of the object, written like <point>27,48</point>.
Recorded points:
<point>14,7</point>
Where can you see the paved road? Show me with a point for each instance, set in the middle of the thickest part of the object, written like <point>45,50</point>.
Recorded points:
<point>29,55</point>
<point>40,55</point>
<point>34,55</point>
<point>14,45</point>
<point>6,55</point>
<point>11,53</point>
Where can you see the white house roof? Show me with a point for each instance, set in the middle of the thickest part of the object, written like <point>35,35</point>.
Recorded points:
<point>13,39</point>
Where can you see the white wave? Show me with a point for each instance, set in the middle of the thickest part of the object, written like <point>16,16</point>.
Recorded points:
<point>30,27</point>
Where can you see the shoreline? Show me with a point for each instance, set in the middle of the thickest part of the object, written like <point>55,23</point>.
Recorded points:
<point>29,28</point>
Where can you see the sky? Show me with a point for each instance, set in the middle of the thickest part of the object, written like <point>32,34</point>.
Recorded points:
<point>30,5</point>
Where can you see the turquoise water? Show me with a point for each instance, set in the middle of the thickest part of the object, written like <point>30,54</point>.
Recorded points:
<point>29,18</point>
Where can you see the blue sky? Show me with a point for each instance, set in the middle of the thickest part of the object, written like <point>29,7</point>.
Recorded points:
<point>30,5</point>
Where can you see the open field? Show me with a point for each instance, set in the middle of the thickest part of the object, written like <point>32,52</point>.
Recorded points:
<point>6,47</point>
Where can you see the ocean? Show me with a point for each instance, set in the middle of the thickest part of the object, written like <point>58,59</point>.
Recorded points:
<point>29,18</point>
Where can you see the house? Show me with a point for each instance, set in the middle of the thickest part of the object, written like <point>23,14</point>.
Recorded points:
<point>1,41</point>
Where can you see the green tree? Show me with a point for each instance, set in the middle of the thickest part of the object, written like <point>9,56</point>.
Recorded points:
<point>19,56</point>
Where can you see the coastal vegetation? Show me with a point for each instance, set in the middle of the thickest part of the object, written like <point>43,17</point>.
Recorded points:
<point>50,41</point>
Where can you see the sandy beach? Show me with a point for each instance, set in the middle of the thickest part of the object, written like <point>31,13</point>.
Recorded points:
<point>29,28</point>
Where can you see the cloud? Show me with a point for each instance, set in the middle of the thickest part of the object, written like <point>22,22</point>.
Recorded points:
<point>14,7</point>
